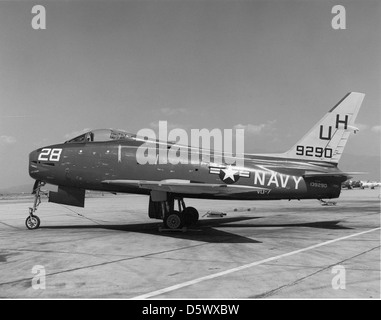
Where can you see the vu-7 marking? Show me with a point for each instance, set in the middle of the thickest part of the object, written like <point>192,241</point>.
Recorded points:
<point>105,160</point>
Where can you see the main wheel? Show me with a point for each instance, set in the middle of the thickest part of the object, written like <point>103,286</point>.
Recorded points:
<point>32,222</point>
<point>174,220</point>
<point>190,216</point>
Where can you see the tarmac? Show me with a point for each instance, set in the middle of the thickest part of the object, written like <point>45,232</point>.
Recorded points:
<point>258,250</point>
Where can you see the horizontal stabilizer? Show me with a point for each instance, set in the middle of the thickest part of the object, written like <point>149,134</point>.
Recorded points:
<point>331,174</point>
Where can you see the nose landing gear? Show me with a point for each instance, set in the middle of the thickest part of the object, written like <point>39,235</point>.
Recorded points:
<point>33,221</point>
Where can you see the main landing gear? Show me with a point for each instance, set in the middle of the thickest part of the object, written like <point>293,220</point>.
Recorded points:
<point>173,219</point>
<point>33,221</point>
<point>183,217</point>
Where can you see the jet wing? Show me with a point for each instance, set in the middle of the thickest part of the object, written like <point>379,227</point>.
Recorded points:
<point>185,186</point>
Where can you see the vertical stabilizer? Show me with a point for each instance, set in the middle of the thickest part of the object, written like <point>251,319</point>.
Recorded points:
<point>327,139</point>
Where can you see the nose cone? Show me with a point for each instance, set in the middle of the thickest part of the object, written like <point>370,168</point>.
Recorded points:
<point>33,156</point>
<point>33,168</point>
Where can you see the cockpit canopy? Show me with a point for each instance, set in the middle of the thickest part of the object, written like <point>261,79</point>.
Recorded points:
<point>102,135</point>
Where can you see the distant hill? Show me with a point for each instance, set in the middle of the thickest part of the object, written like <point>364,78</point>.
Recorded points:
<point>26,188</point>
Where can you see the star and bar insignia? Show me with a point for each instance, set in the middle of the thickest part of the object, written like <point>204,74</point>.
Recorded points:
<point>228,174</point>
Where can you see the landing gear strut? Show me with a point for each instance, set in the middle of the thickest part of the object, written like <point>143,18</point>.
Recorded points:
<point>173,219</point>
<point>33,222</point>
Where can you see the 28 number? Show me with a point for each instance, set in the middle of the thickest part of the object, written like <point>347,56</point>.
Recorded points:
<point>48,154</point>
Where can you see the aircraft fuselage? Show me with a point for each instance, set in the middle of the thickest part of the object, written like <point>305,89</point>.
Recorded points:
<point>88,165</point>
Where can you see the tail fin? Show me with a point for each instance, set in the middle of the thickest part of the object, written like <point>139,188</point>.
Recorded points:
<point>327,139</point>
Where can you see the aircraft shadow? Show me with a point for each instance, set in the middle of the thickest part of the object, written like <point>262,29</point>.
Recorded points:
<point>205,230</point>
<point>330,225</point>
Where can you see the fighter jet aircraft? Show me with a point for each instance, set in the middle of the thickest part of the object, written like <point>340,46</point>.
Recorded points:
<point>105,160</point>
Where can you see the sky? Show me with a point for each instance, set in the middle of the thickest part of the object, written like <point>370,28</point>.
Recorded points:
<point>271,67</point>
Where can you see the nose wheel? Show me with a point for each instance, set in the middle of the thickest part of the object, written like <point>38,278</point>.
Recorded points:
<point>33,221</point>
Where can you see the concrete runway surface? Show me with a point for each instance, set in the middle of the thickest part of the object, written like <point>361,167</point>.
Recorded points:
<point>275,249</point>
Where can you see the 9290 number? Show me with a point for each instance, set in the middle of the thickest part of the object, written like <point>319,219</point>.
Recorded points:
<point>310,151</point>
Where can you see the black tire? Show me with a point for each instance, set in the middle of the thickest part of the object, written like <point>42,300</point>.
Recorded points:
<point>190,216</point>
<point>32,222</point>
<point>174,220</point>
